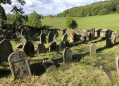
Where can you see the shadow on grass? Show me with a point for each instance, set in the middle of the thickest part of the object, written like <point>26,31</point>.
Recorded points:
<point>4,72</point>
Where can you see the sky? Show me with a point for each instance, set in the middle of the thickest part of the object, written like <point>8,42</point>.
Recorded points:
<point>48,7</point>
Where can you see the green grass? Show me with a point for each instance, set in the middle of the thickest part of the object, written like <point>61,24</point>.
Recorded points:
<point>110,21</point>
<point>83,71</point>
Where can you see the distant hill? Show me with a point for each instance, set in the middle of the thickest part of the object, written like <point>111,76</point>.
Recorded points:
<point>98,8</point>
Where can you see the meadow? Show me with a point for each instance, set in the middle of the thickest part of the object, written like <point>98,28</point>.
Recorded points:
<point>98,22</point>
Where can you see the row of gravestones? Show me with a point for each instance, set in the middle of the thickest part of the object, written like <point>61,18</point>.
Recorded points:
<point>20,67</point>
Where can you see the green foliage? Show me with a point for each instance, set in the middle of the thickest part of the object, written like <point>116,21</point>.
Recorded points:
<point>71,23</point>
<point>2,13</point>
<point>118,9</point>
<point>103,12</point>
<point>34,20</point>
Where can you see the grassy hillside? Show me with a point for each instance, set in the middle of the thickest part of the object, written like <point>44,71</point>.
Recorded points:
<point>110,21</point>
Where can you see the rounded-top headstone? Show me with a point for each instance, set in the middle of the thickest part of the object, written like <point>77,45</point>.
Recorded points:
<point>52,46</point>
<point>108,42</point>
<point>50,37</point>
<point>42,38</point>
<point>23,41</point>
<point>61,45</point>
<point>67,55</point>
<point>41,49</point>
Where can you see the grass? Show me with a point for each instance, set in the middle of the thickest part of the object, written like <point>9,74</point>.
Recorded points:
<point>98,22</point>
<point>83,71</point>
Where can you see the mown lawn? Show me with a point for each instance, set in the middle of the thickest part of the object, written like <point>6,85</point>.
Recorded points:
<point>110,21</point>
<point>83,71</point>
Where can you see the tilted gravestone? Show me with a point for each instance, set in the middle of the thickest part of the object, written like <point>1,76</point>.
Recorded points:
<point>67,55</point>
<point>28,48</point>
<point>93,34</point>
<point>23,31</point>
<point>5,50</point>
<point>19,64</point>
<point>48,64</point>
<point>106,72</point>
<point>117,65</point>
<point>50,37</point>
<point>67,44</point>
<point>52,46</point>
<point>61,45</point>
<point>113,40</point>
<point>108,42</point>
<point>42,38</point>
<point>23,41</point>
<point>64,37</point>
<point>92,49</point>
<point>41,49</point>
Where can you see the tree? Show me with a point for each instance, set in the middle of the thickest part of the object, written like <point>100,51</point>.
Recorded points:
<point>15,9</point>
<point>2,13</point>
<point>70,23</point>
<point>34,20</point>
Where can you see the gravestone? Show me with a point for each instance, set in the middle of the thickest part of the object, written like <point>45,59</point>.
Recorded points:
<point>93,34</point>
<point>13,29</point>
<point>19,65</point>
<point>52,46</point>
<point>8,36</point>
<point>1,32</point>
<point>31,33</point>
<point>23,31</point>
<point>56,34</point>
<point>64,37</point>
<point>35,38</point>
<point>117,65</point>
<point>18,33</point>
<point>67,55</point>
<point>50,37</point>
<point>113,40</point>
<point>106,72</point>
<point>14,36</point>
<point>64,31</point>
<point>61,45</point>
<point>28,48</point>
<point>23,41</point>
<point>90,35</point>
<point>41,49</point>
<point>1,38</point>
<point>26,35</point>
<point>5,50</point>
<point>1,28</point>
<point>66,43</point>
<point>108,42</point>
<point>5,32</point>
<point>92,49</point>
<point>48,64</point>
<point>42,38</point>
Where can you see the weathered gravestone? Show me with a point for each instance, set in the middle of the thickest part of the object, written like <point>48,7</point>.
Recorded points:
<point>108,42</point>
<point>117,65</point>
<point>64,37</point>
<point>23,31</point>
<point>26,35</point>
<point>66,43</point>
<point>52,46</point>
<point>19,64</point>
<point>113,40</point>
<point>23,41</point>
<point>50,37</point>
<point>106,72</point>
<point>67,55</point>
<point>8,36</point>
<point>18,33</point>
<point>56,34</point>
<point>29,48</point>
<point>5,32</point>
<point>13,29</point>
<point>61,45</point>
<point>92,49</point>
<point>64,31</point>
<point>48,64</point>
<point>31,33</point>
<point>42,38</point>
<point>35,38</point>
<point>14,36</point>
<point>1,32</point>
<point>90,36</point>
<point>41,49</point>
<point>93,34</point>
<point>5,50</point>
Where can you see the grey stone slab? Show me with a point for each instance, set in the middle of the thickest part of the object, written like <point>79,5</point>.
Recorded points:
<point>93,49</point>
<point>42,38</point>
<point>67,55</point>
<point>19,64</point>
<point>52,46</point>
<point>41,49</point>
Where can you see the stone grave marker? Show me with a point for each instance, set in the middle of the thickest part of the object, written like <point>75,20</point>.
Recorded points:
<point>93,49</point>
<point>56,34</point>
<point>31,33</point>
<point>64,31</point>
<point>5,50</point>
<point>67,55</point>
<point>66,43</point>
<point>50,37</point>
<point>1,38</point>
<point>41,49</point>
<point>106,72</point>
<point>117,65</point>
<point>28,48</point>
<point>108,42</point>
<point>26,35</point>
<point>48,64</point>
<point>1,33</point>
<point>42,38</point>
<point>5,32</point>
<point>13,29</point>
<point>14,36</point>
<point>52,46</point>
<point>61,45</point>
<point>90,35</point>
<point>8,36</point>
<point>18,33</point>
<point>23,41</point>
<point>19,64</point>
<point>35,38</point>
<point>64,37</point>
<point>113,40</point>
